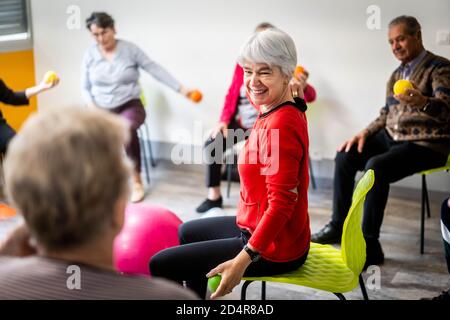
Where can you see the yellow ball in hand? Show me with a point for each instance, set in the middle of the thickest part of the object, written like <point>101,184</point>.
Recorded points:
<point>50,77</point>
<point>401,86</point>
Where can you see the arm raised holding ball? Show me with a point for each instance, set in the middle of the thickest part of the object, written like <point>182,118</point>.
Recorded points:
<point>49,81</point>
<point>16,98</point>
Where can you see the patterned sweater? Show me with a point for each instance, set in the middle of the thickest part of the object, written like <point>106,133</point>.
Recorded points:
<point>429,127</point>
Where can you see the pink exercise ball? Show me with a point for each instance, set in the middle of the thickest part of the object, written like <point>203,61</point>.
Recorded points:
<point>147,230</point>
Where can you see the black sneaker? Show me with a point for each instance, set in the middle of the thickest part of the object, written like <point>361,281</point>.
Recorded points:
<point>209,204</point>
<point>444,296</point>
<point>327,235</point>
<point>374,253</point>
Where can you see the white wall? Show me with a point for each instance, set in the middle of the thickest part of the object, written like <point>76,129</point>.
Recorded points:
<point>198,41</point>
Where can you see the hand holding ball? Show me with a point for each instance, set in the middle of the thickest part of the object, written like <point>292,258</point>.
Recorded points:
<point>298,71</point>
<point>402,85</point>
<point>50,77</point>
<point>195,96</point>
<point>214,282</point>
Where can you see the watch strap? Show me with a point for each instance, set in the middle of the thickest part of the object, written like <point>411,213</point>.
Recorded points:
<point>254,256</point>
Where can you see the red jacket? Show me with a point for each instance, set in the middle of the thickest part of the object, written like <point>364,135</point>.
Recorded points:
<point>232,97</point>
<point>273,169</point>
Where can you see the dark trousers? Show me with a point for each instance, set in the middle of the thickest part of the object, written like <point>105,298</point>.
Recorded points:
<point>214,150</point>
<point>204,244</point>
<point>6,134</point>
<point>391,161</point>
<point>133,111</point>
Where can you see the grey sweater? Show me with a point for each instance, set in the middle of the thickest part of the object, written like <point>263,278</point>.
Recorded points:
<point>111,84</point>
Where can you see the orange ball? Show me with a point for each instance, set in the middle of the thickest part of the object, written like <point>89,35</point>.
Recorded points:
<point>298,71</point>
<point>6,211</point>
<point>195,96</point>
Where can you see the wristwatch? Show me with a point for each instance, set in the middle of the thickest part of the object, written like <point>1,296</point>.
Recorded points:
<point>254,256</point>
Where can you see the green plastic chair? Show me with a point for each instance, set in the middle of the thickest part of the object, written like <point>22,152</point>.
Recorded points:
<point>425,205</point>
<point>328,268</point>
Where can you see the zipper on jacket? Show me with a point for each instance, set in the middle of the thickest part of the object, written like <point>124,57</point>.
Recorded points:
<point>258,215</point>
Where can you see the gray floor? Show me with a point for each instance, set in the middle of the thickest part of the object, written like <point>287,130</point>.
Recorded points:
<point>405,275</point>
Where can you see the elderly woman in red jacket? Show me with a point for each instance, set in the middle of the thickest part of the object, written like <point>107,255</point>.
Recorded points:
<point>271,231</point>
<point>237,113</point>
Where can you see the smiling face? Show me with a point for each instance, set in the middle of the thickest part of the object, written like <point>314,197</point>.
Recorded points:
<point>105,37</point>
<point>405,46</point>
<point>266,86</point>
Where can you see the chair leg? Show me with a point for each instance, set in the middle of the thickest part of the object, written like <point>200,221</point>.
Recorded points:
<point>311,174</point>
<point>152,160</point>
<point>144,155</point>
<point>339,295</point>
<point>229,170</point>
<point>363,288</point>
<point>244,289</point>
<point>263,290</point>
<point>422,216</point>
<point>427,199</point>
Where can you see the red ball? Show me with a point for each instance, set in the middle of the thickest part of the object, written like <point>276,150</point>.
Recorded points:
<point>147,230</point>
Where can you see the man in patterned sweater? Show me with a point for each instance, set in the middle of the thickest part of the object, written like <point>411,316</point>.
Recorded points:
<point>411,134</point>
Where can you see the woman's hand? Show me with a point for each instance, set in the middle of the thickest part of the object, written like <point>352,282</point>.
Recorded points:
<point>48,85</point>
<point>298,85</point>
<point>41,87</point>
<point>221,127</point>
<point>231,272</point>
<point>185,91</point>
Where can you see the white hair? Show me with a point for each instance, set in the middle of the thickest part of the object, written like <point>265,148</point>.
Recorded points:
<point>273,47</point>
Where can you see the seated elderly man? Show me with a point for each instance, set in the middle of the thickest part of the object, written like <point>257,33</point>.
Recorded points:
<point>411,134</point>
<point>67,174</point>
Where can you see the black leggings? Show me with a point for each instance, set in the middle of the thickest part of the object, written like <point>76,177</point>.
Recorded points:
<point>6,134</point>
<point>204,244</point>
<point>214,152</point>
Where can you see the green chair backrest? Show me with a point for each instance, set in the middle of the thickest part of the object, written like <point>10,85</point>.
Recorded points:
<point>353,245</point>
<point>143,100</point>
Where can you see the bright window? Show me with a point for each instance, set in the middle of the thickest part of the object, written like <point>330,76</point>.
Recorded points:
<point>15,32</point>
<point>13,17</point>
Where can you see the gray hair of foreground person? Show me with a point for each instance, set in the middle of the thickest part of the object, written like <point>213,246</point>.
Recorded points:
<point>273,47</point>
<point>66,172</point>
